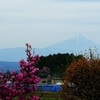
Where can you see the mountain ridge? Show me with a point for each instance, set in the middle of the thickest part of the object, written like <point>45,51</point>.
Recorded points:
<point>75,45</point>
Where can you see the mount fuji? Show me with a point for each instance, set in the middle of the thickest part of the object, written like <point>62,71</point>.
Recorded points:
<point>74,45</point>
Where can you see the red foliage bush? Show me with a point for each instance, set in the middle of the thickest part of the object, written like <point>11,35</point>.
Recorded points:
<point>83,80</point>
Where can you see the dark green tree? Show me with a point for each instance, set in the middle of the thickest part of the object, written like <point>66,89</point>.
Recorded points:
<point>57,62</point>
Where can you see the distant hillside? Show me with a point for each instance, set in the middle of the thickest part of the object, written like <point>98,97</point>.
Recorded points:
<point>4,66</point>
<point>12,54</point>
<point>74,45</point>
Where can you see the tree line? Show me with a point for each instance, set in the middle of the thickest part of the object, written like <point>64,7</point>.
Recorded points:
<point>57,63</point>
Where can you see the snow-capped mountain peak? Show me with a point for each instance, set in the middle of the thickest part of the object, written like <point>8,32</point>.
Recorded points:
<point>75,45</point>
<point>78,38</point>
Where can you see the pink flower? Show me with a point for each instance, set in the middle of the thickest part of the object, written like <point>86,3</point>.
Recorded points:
<point>12,77</point>
<point>5,86</point>
<point>7,98</point>
<point>24,74</point>
<point>19,76</point>
<point>5,80</point>
<point>37,56</point>
<point>33,59</point>
<point>31,67</point>
<point>37,79</point>
<point>13,72</point>
<point>35,97</point>
<point>1,77</point>
<point>30,80</point>
<point>7,75</point>
<point>30,73</point>
<point>20,82</point>
<point>21,62</point>
<point>33,76</point>
<point>32,63</point>
<point>35,70</point>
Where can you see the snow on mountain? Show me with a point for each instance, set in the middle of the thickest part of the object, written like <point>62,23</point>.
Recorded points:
<point>75,45</point>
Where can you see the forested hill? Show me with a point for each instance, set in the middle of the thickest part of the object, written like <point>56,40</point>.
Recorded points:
<point>57,63</point>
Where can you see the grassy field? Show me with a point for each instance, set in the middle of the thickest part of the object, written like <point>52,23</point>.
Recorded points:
<point>50,99</point>
<point>49,95</point>
<point>46,96</point>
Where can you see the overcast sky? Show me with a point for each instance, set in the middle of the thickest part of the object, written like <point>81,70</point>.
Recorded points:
<point>45,22</point>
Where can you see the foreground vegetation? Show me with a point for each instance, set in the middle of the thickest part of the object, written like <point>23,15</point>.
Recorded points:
<point>82,74</point>
<point>82,79</point>
<point>21,82</point>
